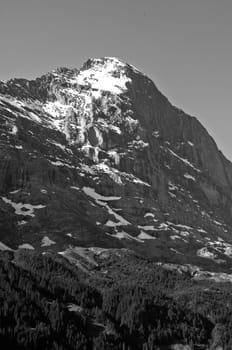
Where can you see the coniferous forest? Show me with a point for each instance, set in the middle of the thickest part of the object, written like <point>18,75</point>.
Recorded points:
<point>121,303</point>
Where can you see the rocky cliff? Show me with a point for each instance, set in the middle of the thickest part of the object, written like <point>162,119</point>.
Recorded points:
<point>99,157</point>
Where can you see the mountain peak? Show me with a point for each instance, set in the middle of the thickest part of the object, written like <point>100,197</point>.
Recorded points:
<point>107,153</point>
<point>97,158</point>
<point>104,74</point>
<point>106,60</point>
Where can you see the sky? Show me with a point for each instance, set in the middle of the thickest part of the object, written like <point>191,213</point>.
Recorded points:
<point>184,46</point>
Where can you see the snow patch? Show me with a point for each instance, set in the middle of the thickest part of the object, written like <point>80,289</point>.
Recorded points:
<point>105,75</point>
<point>4,247</point>
<point>138,144</point>
<point>93,194</point>
<point>183,160</point>
<point>74,308</point>
<point>171,186</point>
<point>111,223</point>
<point>57,144</point>
<point>201,230</point>
<point>15,191</point>
<point>14,130</point>
<point>26,246</point>
<point>46,242</point>
<point>171,194</point>
<point>155,134</point>
<point>22,222</point>
<point>189,177</point>
<point>100,200</point>
<point>60,163</point>
<point>147,227</point>
<point>149,215</point>
<point>185,227</point>
<point>113,173</point>
<point>144,236</point>
<point>176,251</point>
<point>217,223</point>
<point>75,188</point>
<point>23,208</point>
<point>174,237</point>
<point>115,156</point>
<point>205,253</point>
<point>124,235</point>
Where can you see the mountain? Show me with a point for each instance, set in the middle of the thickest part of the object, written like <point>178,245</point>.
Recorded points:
<point>134,196</point>
<point>98,157</point>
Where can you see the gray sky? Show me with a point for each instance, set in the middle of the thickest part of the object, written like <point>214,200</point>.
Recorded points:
<point>185,46</point>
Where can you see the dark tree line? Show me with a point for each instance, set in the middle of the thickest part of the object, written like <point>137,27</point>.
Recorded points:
<point>47,303</point>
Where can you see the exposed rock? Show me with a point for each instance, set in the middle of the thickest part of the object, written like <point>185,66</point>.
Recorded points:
<point>107,127</point>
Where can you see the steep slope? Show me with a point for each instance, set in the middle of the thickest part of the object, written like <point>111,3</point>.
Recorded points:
<point>99,157</point>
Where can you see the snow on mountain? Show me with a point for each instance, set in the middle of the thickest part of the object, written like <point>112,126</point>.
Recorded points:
<point>104,75</point>
<point>99,156</point>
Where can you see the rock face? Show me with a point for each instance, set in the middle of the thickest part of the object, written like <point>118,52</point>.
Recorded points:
<point>98,156</point>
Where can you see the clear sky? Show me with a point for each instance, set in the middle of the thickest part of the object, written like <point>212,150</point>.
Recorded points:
<point>185,46</point>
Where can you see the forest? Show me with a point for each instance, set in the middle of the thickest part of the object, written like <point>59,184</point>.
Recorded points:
<point>124,303</point>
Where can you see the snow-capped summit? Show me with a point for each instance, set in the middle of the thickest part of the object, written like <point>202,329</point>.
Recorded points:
<point>105,74</point>
<point>93,98</point>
